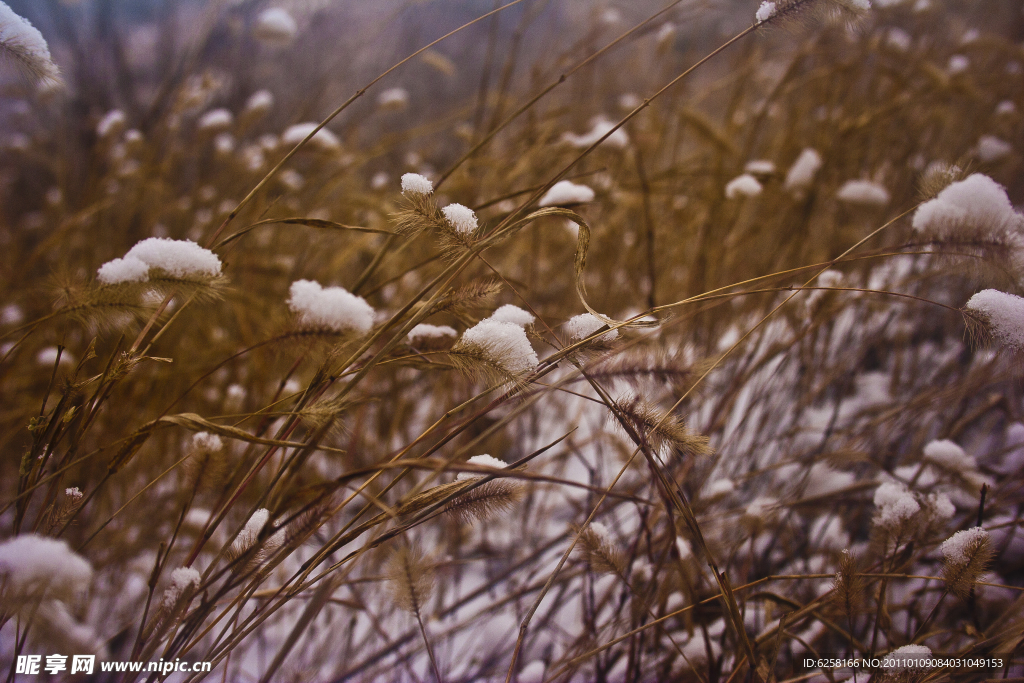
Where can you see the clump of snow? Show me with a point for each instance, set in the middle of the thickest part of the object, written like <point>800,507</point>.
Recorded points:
<point>425,331</point>
<point>991,148</point>
<point>895,504</point>
<point>765,12</point>
<point>324,139</point>
<point>183,580</point>
<point>949,455</point>
<point>1004,314</point>
<point>74,493</point>
<point>248,535</point>
<point>719,487</point>
<point>976,203</point>
<point>119,270</point>
<point>26,46</point>
<point>863,192</point>
<point>801,173</point>
<point>566,192</point>
<point>484,460</point>
<point>215,119</point>
<point>177,258</point>
<point>510,313</point>
<point>745,185</point>
<point>505,343</point>
<point>585,324</point>
<point>823,479</point>
<point>48,356</point>
<point>393,98</point>
<point>259,102</point>
<point>331,307</point>
<point>912,652</point>
<point>940,506</point>
<point>761,508</point>
<point>224,144</point>
<point>11,314</point>
<point>1006,108</point>
<point>291,179</point>
<point>276,27</point>
<point>414,183</point>
<point>206,442</point>
<point>899,39</point>
<point>759,167</point>
<point>33,565</point>
<point>958,64</point>
<point>956,548</point>
<point>460,217</point>
<point>600,127</point>
<point>111,123</point>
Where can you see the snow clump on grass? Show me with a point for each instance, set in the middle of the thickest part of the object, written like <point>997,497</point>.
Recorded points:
<point>123,270</point>
<point>37,565</point>
<point>801,173</point>
<point>331,307</point>
<point>324,139</point>
<point>460,217</point>
<point>1004,314</point>
<point>566,192</point>
<point>504,343</point>
<point>958,548</point>
<point>414,183</point>
<point>207,443</point>
<point>585,324</point>
<point>864,192</point>
<point>484,460</point>
<point>215,119</point>
<point>259,102</point>
<point>510,313</point>
<point>112,122</point>
<point>913,652</point>
<point>182,259</point>
<point>393,98</point>
<point>425,331</point>
<point>977,204</point>
<point>745,185</point>
<point>22,43</point>
<point>599,129</point>
<point>275,27</point>
<point>949,455</point>
<point>760,167</point>
<point>895,504</point>
<point>765,12</point>
<point>991,148</point>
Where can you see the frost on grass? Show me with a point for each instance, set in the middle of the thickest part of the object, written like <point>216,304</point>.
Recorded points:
<point>331,307</point>
<point>976,207</point>
<point>566,192</point>
<point>583,325</point>
<point>801,173</point>
<point>895,504</point>
<point>510,313</point>
<point>23,44</point>
<point>601,127</point>
<point>416,184</point>
<point>745,185</point>
<point>459,217</point>
<point>275,27</point>
<point>483,460</point>
<point>505,344</point>
<point>863,192</point>
<point>32,565</point>
<point>324,139</point>
<point>1003,314</point>
<point>181,259</point>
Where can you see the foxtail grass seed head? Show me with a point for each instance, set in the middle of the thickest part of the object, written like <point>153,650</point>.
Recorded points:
<point>411,579</point>
<point>600,551</point>
<point>895,504</point>
<point>181,259</point>
<point>863,193</point>
<point>801,174</point>
<point>1002,314</point>
<point>416,184</point>
<point>329,307</point>
<point>23,44</point>
<point>505,344</point>
<point>974,208</point>
<point>966,555</point>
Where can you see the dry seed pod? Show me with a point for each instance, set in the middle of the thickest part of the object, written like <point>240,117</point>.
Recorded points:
<point>965,556</point>
<point>411,579</point>
<point>599,550</point>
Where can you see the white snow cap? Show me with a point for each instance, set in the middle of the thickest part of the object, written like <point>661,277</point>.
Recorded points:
<point>460,217</point>
<point>24,44</point>
<point>183,577</point>
<point>424,330</point>
<point>991,148</point>
<point>210,443</point>
<point>177,258</point>
<point>864,192</point>
<point>912,652</point>
<point>895,503</point>
<point>566,192</point>
<point>248,535</point>
<point>274,26</point>
<point>976,202</point>
<point>801,173</point>
<point>745,185</point>
<point>765,12</point>
<point>719,487</point>
<point>760,167</point>
<point>599,129</point>
<point>505,343</point>
<point>585,324</point>
<point>958,64</point>
<point>414,183</point>
<point>948,454</point>
<point>955,548</point>
<point>215,119</point>
<point>113,121</point>
<point>34,564</point>
<point>393,98</point>
<point>1005,314</point>
<point>484,460</point>
<point>324,138</point>
<point>331,307</point>
<point>510,313</point>
<point>259,102</point>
